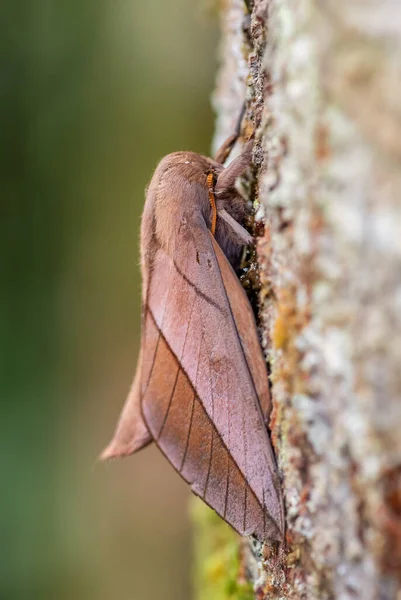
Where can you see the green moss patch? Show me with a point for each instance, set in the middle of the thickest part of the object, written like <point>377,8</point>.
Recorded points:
<point>217,564</point>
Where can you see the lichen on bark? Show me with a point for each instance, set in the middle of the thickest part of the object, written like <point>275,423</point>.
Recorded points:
<point>322,82</point>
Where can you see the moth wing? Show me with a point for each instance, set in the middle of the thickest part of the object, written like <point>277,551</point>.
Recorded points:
<point>199,399</point>
<point>131,433</point>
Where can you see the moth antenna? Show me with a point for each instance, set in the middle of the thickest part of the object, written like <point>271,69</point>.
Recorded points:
<point>210,185</point>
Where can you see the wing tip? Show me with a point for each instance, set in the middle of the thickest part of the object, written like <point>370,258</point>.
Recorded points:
<point>114,450</point>
<point>118,449</point>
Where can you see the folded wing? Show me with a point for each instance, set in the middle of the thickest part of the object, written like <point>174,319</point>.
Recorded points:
<point>202,380</point>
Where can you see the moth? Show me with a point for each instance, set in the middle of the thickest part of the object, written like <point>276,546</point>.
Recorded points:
<point>201,391</point>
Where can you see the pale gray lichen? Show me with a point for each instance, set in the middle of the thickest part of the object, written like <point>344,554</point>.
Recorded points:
<point>324,83</point>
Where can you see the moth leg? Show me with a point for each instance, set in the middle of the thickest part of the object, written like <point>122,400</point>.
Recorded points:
<point>224,151</point>
<point>226,179</point>
<point>225,187</point>
<point>241,232</point>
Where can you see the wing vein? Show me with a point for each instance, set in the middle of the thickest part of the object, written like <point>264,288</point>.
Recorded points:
<point>227,483</point>
<point>192,408</point>
<point>245,506</point>
<point>169,405</point>
<point>199,291</point>
<point>189,433</point>
<point>153,364</point>
<point>209,465</point>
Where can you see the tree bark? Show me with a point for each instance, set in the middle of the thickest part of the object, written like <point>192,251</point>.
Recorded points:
<point>322,83</point>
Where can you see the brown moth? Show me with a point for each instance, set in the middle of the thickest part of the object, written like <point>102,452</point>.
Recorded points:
<point>201,389</point>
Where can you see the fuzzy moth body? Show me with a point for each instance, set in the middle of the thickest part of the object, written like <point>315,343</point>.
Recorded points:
<point>201,389</point>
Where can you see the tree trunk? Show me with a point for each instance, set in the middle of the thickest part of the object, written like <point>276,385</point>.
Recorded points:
<point>322,82</point>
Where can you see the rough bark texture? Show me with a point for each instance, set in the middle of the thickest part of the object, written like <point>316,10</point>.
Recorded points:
<point>322,81</point>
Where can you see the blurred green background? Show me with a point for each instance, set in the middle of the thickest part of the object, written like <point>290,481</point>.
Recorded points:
<point>92,95</point>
